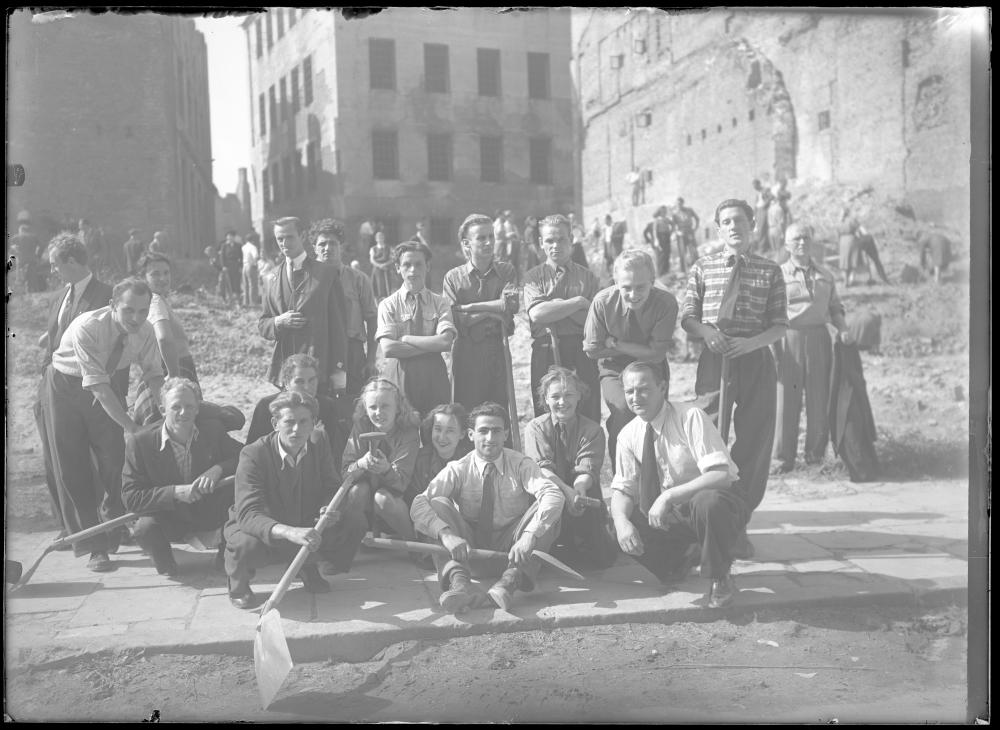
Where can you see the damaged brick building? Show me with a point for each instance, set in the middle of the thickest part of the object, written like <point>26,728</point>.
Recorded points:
<point>702,102</point>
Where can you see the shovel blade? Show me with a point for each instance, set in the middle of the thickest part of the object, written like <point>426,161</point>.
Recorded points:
<point>271,659</point>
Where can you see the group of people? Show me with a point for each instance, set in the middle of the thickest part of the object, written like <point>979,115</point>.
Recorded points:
<point>367,403</point>
<point>675,226</point>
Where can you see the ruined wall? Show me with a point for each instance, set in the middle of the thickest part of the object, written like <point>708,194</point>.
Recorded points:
<point>708,100</point>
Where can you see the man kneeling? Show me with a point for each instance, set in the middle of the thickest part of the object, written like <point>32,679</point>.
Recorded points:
<point>282,482</point>
<point>172,471</point>
<point>674,467</point>
<point>492,498</point>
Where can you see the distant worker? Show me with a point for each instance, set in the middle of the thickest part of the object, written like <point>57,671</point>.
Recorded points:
<point>657,235</point>
<point>133,250</point>
<point>634,180</point>
<point>777,218</point>
<point>864,245</point>
<point>761,204</point>
<point>804,355</point>
<point>159,243</point>
<point>250,280</point>
<point>686,222</point>
<point>935,251</point>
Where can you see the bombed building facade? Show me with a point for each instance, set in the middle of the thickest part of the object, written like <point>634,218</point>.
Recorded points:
<point>700,103</point>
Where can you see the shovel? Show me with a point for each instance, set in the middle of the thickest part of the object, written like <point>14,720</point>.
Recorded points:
<point>271,659</point>
<point>515,427</point>
<point>13,569</point>
<point>427,547</point>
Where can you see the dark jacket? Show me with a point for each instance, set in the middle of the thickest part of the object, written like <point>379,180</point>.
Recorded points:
<point>334,416</point>
<point>852,425</point>
<point>150,473</point>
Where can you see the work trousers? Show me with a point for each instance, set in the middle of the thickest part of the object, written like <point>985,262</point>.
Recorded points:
<point>804,358</point>
<point>251,281</point>
<point>76,425</point>
<point>501,540</point>
<point>753,390</point>
<point>571,356</point>
<point>585,542</point>
<point>235,277</point>
<point>425,381</point>
<point>155,532</point>
<point>245,553</point>
<point>711,522</point>
<point>663,253</point>
<point>479,371</point>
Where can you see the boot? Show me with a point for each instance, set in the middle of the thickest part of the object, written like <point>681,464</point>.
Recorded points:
<point>460,594</point>
<point>502,591</point>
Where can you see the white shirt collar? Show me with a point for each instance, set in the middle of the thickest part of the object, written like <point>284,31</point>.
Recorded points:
<point>285,454</point>
<point>660,419</point>
<point>297,262</point>
<point>166,437</point>
<point>481,463</point>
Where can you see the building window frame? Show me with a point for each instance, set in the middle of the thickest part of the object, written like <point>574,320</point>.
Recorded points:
<point>385,154</point>
<point>539,75</point>
<point>382,64</point>
<point>437,68</point>
<point>307,81</point>
<point>491,158</point>
<point>259,35</point>
<point>488,73</point>
<point>540,160</point>
<point>270,31</point>
<point>439,156</point>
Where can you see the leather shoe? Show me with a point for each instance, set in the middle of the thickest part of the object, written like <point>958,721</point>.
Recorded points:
<point>723,592</point>
<point>312,581</point>
<point>459,595</point>
<point>502,591</point>
<point>243,597</point>
<point>100,563</point>
<point>170,570</point>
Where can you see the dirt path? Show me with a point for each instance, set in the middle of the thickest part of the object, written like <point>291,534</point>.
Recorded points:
<point>879,664</point>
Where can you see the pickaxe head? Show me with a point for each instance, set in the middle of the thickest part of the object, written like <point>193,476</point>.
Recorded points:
<point>370,439</point>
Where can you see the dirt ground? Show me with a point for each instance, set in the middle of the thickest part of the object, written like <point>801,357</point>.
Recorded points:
<point>816,666</point>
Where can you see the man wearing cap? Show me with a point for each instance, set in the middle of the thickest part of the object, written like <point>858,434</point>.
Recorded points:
<point>83,404</point>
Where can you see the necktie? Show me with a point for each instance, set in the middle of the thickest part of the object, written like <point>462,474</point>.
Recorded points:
<point>727,308</point>
<point>66,313</point>
<point>484,527</point>
<point>633,330</point>
<point>116,354</point>
<point>649,476</point>
<point>808,280</point>
<point>417,328</point>
<point>296,277</point>
<point>559,450</point>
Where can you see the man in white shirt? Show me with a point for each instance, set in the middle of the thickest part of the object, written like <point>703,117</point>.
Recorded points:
<point>671,501</point>
<point>492,498</point>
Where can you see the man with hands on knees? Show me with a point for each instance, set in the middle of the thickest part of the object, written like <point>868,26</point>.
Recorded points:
<point>492,498</point>
<point>283,481</point>
<point>672,503</point>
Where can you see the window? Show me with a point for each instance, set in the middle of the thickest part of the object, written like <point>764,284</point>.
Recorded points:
<point>540,152</point>
<point>436,68</point>
<point>284,98</point>
<point>488,65</point>
<point>441,232</point>
<point>385,155</point>
<point>287,177</point>
<point>281,22</point>
<point>276,183</point>
<point>259,33</point>
<point>307,80</point>
<point>295,90</point>
<point>273,106</point>
<point>262,107</point>
<point>382,63</point>
<point>824,119</point>
<point>270,33</point>
<point>314,163</point>
<point>299,177</point>
<point>538,76</point>
<point>491,159</point>
<point>439,157</point>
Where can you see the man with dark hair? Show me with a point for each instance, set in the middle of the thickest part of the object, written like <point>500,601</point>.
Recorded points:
<point>133,249</point>
<point>360,313</point>
<point>414,327</point>
<point>84,293</point>
<point>735,302</point>
<point>672,500</point>
<point>283,481</point>
<point>492,498</point>
<point>557,297</point>
<point>83,404</point>
<point>478,291</point>
<point>303,310</point>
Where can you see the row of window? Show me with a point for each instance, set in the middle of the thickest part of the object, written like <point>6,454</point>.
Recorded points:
<point>287,179</point>
<point>273,24</point>
<point>440,157</point>
<point>437,69</point>
<point>287,91</point>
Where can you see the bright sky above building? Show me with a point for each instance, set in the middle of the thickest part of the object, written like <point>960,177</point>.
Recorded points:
<point>228,80</point>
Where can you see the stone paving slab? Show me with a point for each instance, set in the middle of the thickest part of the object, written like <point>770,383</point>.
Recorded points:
<point>811,552</point>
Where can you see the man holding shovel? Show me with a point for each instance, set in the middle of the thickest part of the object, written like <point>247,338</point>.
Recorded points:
<point>492,498</point>
<point>735,302</point>
<point>282,482</point>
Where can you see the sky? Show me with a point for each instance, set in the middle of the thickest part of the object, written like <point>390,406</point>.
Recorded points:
<point>229,100</point>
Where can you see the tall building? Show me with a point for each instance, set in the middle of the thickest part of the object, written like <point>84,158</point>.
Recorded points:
<point>109,116</point>
<point>704,102</point>
<point>410,114</point>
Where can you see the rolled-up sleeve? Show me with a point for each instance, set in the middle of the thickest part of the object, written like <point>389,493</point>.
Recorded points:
<point>445,319</point>
<point>663,330</point>
<point>388,320</point>
<point>693,295</point>
<point>549,497</point>
<point>88,351</point>
<point>533,292</point>
<point>595,332</point>
<point>537,446</point>
<point>626,479</point>
<point>445,484</point>
<point>706,444</point>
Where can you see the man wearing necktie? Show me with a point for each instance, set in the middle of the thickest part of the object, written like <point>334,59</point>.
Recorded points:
<point>85,293</point>
<point>83,404</point>
<point>414,328</point>
<point>631,320</point>
<point>303,310</point>
<point>492,498</point>
<point>557,296</point>
<point>805,354</point>
<point>673,504</point>
<point>735,302</point>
